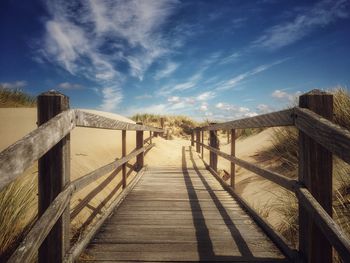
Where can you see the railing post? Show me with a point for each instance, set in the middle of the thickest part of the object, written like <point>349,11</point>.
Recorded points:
<point>150,137</point>
<point>192,138</point>
<point>123,155</point>
<point>315,172</point>
<point>53,176</point>
<point>198,140</point>
<point>228,136</point>
<point>139,145</point>
<point>202,148</point>
<point>233,153</point>
<point>213,140</point>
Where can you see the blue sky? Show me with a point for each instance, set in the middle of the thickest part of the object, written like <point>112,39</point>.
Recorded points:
<point>206,59</point>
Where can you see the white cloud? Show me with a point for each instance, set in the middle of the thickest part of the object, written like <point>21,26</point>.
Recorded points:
<point>203,107</point>
<point>174,99</point>
<point>14,85</point>
<point>206,95</point>
<point>263,108</point>
<point>231,58</point>
<point>167,71</point>
<point>283,95</point>
<point>230,111</point>
<point>90,40</point>
<point>68,85</point>
<point>144,96</point>
<point>319,15</point>
<point>190,83</point>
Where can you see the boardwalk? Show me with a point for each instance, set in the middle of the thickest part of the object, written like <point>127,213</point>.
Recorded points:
<point>180,214</point>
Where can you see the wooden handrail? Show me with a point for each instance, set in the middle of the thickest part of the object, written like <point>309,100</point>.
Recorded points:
<point>277,178</point>
<point>87,179</point>
<point>19,156</point>
<point>319,138</point>
<point>90,120</point>
<point>331,136</point>
<point>273,119</point>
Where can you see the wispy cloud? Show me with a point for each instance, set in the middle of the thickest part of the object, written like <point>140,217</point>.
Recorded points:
<point>233,82</point>
<point>188,84</point>
<point>283,95</point>
<point>144,96</point>
<point>226,111</point>
<point>69,86</point>
<point>319,15</point>
<point>92,39</point>
<point>167,71</point>
<point>13,85</point>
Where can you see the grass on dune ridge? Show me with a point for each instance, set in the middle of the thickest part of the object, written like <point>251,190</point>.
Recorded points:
<point>15,98</point>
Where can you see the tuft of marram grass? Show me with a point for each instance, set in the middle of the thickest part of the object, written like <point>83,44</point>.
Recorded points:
<point>15,98</point>
<point>17,203</point>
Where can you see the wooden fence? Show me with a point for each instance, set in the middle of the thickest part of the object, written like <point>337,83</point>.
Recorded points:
<point>49,238</point>
<point>319,138</point>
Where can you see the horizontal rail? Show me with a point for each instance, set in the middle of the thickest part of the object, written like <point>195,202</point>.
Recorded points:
<point>331,136</point>
<point>277,178</point>
<point>26,251</point>
<point>22,154</point>
<point>90,120</point>
<point>78,247</point>
<point>91,177</point>
<point>274,119</point>
<point>327,225</point>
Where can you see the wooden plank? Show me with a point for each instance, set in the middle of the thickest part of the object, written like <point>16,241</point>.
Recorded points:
<point>90,120</point>
<point>274,119</point>
<point>214,143</point>
<point>325,222</point>
<point>331,136</point>
<point>198,138</point>
<point>79,246</point>
<point>202,141</point>
<point>53,177</point>
<point>28,248</point>
<point>277,178</point>
<point>85,180</point>
<point>266,227</point>
<point>22,154</point>
<point>315,172</point>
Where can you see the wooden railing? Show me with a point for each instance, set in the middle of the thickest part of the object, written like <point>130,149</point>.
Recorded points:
<point>319,138</point>
<point>49,238</point>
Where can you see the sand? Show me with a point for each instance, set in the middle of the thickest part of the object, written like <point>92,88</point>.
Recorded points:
<point>93,148</point>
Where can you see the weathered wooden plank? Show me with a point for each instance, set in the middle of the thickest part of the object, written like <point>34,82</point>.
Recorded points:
<point>139,145</point>
<point>53,177</point>
<point>214,143</point>
<point>22,154</point>
<point>331,136</point>
<point>123,156</point>
<point>324,221</point>
<point>79,246</point>
<point>275,237</point>
<point>233,154</point>
<point>29,246</point>
<point>90,120</point>
<point>277,178</point>
<point>274,119</point>
<point>85,180</point>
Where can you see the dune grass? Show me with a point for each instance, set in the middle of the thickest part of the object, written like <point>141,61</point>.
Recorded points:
<point>15,98</point>
<point>284,150</point>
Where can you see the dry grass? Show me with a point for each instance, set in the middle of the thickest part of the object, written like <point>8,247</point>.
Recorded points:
<point>176,125</point>
<point>17,203</point>
<point>15,98</point>
<point>285,151</point>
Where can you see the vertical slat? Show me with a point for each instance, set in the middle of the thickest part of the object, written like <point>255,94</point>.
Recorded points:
<point>233,153</point>
<point>162,122</point>
<point>202,140</point>
<point>53,176</point>
<point>150,136</point>
<point>123,155</point>
<point>228,136</point>
<point>213,143</point>
<point>139,144</point>
<point>315,171</point>
<point>192,138</point>
<point>198,140</point>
